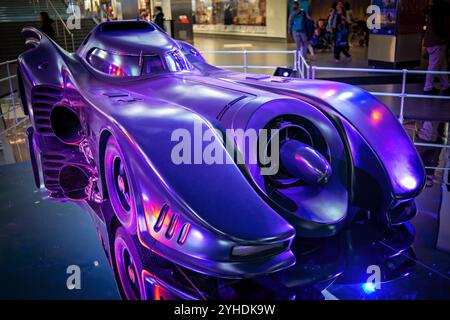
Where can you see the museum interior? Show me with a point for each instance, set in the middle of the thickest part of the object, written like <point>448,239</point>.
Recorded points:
<point>350,100</point>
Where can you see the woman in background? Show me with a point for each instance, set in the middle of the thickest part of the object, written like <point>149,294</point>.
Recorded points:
<point>47,25</point>
<point>341,42</point>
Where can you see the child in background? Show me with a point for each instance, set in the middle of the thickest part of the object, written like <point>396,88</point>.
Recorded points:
<point>322,27</point>
<point>316,42</point>
<point>341,44</point>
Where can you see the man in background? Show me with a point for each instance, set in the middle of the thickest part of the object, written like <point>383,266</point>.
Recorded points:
<point>297,27</point>
<point>158,17</point>
<point>436,40</point>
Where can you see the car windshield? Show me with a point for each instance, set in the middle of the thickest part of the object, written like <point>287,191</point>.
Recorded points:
<point>121,65</point>
<point>176,61</point>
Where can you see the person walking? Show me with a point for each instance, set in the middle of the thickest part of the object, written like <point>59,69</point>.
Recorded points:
<point>436,39</point>
<point>337,15</point>
<point>337,24</point>
<point>349,19</point>
<point>341,43</point>
<point>297,28</point>
<point>47,25</point>
<point>158,17</point>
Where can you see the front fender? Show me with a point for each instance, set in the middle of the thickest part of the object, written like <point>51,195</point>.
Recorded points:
<point>370,118</point>
<point>380,129</point>
<point>214,206</point>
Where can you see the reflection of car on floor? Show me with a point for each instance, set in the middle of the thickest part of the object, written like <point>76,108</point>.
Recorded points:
<point>343,259</point>
<point>102,125</point>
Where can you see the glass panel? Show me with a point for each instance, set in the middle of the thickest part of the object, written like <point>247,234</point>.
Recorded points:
<point>230,12</point>
<point>152,64</point>
<point>114,64</point>
<point>128,65</point>
<point>176,61</point>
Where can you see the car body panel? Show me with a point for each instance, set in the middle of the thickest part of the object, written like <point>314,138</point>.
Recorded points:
<point>200,215</point>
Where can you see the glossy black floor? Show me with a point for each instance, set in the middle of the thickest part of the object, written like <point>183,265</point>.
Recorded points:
<point>39,239</point>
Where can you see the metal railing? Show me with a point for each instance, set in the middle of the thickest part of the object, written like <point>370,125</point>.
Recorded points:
<point>12,108</point>
<point>300,64</point>
<point>245,54</point>
<point>306,71</point>
<point>65,28</point>
<point>402,95</point>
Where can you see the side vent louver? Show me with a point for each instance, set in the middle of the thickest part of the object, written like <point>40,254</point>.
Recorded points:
<point>43,98</point>
<point>161,217</point>
<point>171,229</point>
<point>184,233</point>
<point>52,165</point>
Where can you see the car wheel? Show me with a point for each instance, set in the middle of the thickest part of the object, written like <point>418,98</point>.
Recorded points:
<point>129,265</point>
<point>120,190</point>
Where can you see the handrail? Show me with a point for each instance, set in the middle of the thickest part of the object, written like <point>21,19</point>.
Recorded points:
<point>65,26</point>
<point>432,145</point>
<point>306,71</point>
<point>248,51</point>
<point>8,62</point>
<point>8,78</point>
<point>95,20</point>
<point>367,70</point>
<point>59,16</point>
<point>410,95</point>
<point>12,127</point>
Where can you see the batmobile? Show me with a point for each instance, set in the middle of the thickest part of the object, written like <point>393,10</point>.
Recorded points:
<point>102,129</point>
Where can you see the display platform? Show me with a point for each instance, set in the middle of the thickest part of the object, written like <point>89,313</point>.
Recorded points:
<point>40,239</point>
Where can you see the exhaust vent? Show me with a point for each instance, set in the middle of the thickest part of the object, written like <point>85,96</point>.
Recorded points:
<point>66,125</point>
<point>73,181</point>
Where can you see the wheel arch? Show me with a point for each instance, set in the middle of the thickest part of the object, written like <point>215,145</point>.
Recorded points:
<point>103,141</point>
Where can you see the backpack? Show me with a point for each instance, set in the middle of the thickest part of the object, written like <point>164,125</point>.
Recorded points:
<point>309,27</point>
<point>298,23</point>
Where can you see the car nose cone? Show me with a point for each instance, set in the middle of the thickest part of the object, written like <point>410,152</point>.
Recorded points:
<point>304,162</point>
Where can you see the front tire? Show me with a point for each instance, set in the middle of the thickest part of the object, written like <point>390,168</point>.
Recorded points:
<point>119,186</point>
<point>129,265</point>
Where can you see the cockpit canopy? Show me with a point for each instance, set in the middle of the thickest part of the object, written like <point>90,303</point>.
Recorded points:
<point>121,65</point>
<point>132,49</point>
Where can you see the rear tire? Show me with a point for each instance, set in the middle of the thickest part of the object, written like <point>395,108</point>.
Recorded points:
<point>120,190</point>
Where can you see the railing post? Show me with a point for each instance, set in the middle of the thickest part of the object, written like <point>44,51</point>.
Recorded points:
<point>313,71</point>
<point>304,67</point>
<point>245,61</point>
<point>73,43</point>
<point>11,90</point>
<point>296,60</point>
<point>65,40</point>
<point>403,95</point>
<point>300,64</point>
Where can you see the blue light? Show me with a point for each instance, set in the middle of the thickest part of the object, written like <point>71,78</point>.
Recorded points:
<point>369,287</point>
